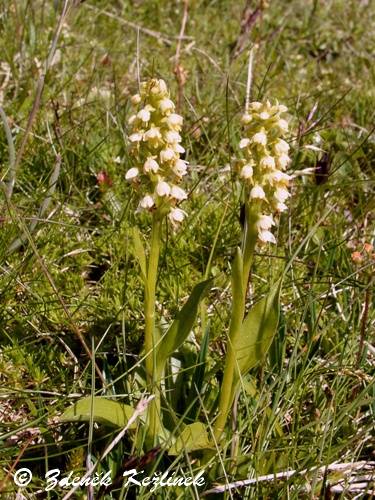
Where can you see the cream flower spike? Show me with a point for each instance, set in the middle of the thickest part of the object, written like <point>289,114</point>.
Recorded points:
<point>264,159</point>
<point>154,137</point>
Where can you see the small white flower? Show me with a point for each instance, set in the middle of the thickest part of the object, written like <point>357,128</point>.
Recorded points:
<point>147,202</point>
<point>163,188</point>
<point>144,115</point>
<point>177,215</point>
<point>136,99</point>
<point>260,138</point>
<point>172,137</point>
<point>281,177</point>
<point>257,192</point>
<point>283,125</point>
<point>131,174</point>
<point>256,106</point>
<point>281,207</point>
<point>166,105</point>
<point>266,237</point>
<point>264,115</point>
<point>174,120</point>
<point>281,147</point>
<point>265,222</point>
<point>178,193</point>
<point>180,167</point>
<point>151,165</point>
<point>178,148</point>
<point>152,134</point>
<point>136,137</point>
<point>267,162</point>
<point>246,118</point>
<point>282,108</point>
<point>167,155</point>
<point>162,86</point>
<point>283,161</point>
<point>281,194</point>
<point>246,171</point>
<point>244,143</point>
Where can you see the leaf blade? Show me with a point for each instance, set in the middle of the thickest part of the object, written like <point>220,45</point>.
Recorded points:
<point>104,411</point>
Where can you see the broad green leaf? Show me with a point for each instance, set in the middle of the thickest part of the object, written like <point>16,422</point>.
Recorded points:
<point>193,437</point>
<point>181,326</point>
<point>139,252</point>
<point>105,411</point>
<point>258,330</point>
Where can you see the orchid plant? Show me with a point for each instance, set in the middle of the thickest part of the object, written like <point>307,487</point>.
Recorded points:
<point>155,174</point>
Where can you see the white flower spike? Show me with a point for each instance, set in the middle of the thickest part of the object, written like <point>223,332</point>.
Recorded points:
<point>155,148</point>
<point>265,157</point>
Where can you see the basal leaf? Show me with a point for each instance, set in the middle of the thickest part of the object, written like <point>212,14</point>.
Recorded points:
<point>193,437</point>
<point>104,411</point>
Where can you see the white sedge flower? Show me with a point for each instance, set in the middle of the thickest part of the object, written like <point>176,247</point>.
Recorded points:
<point>257,193</point>
<point>155,149</point>
<point>163,188</point>
<point>151,165</point>
<point>178,193</point>
<point>131,174</point>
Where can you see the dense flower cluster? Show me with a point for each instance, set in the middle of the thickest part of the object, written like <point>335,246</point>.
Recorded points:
<point>155,149</point>
<point>265,157</point>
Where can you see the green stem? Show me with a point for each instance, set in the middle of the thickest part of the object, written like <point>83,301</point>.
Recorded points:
<point>249,241</point>
<point>240,275</point>
<point>150,332</point>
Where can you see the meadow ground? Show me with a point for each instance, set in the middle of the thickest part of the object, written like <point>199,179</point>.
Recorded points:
<point>68,268</point>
